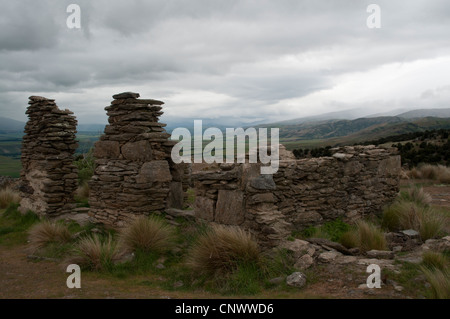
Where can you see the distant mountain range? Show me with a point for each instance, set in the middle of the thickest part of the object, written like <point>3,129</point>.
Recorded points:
<point>8,125</point>
<point>330,128</point>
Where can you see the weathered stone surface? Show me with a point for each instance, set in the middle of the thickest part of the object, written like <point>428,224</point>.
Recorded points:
<point>134,174</point>
<point>230,208</point>
<point>204,208</point>
<point>126,95</point>
<point>304,262</point>
<point>329,256</point>
<point>106,149</point>
<point>155,171</point>
<point>48,177</point>
<point>263,182</point>
<point>176,195</point>
<point>140,151</point>
<point>297,280</point>
<point>380,254</point>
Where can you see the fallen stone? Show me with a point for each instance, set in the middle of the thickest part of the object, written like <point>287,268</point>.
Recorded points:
<point>180,213</point>
<point>380,254</point>
<point>411,233</point>
<point>126,95</point>
<point>304,262</point>
<point>276,281</point>
<point>297,279</point>
<point>263,182</point>
<point>331,244</point>
<point>328,256</point>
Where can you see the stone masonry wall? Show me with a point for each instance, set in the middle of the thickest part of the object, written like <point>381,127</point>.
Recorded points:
<point>354,182</point>
<point>134,172</point>
<point>48,176</point>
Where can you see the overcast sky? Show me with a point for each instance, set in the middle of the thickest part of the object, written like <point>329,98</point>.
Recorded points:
<point>249,59</point>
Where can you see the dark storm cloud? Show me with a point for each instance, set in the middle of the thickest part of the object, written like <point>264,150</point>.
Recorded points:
<point>208,57</point>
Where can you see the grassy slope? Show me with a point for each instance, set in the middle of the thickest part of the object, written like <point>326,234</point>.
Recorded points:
<point>10,166</point>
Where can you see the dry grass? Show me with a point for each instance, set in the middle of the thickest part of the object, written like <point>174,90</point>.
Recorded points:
<point>83,191</point>
<point>95,253</point>
<point>46,232</point>
<point>7,197</point>
<point>409,215</point>
<point>417,195</point>
<point>434,172</point>
<point>435,260</point>
<point>148,234</point>
<point>370,237</point>
<point>366,236</point>
<point>350,239</point>
<point>439,281</point>
<point>221,250</point>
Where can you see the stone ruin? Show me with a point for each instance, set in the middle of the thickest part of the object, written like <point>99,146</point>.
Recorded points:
<point>135,175</point>
<point>48,176</point>
<point>354,182</point>
<point>134,172</point>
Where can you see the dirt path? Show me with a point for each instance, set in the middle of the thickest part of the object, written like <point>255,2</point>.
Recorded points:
<point>22,278</point>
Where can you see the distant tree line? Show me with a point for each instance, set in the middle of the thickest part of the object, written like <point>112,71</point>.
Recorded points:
<point>431,146</point>
<point>315,152</point>
<point>421,136</point>
<point>432,153</point>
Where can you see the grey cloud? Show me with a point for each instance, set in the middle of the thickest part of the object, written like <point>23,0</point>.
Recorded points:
<point>224,47</point>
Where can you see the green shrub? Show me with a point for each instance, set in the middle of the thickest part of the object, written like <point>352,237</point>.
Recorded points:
<point>332,230</point>
<point>86,166</point>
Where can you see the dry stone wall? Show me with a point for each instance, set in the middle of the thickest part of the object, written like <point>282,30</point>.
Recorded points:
<point>134,172</point>
<point>48,176</point>
<point>354,182</point>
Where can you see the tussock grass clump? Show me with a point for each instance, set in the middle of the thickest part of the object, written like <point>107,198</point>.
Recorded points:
<point>435,260</point>
<point>366,236</point>
<point>46,232</point>
<point>434,172</point>
<point>409,215</point>
<point>147,234</point>
<point>416,195</point>
<point>350,239</point>
<point>370,237</point>
<point>222,250</point>
<point>96,253</point>
<point>8,197</point>
<point>439,281</point>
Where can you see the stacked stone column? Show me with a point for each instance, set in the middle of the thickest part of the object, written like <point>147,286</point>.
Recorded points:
<point>48,176</point>
<point>134,173</point>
